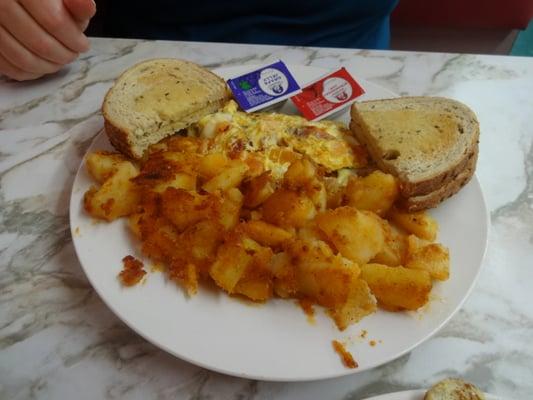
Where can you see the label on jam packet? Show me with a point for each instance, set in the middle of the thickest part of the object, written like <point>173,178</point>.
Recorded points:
<point>264,87</point>
<point>327,95</point>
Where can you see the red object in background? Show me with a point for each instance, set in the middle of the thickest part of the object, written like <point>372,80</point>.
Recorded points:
<point>327,95</point>
<point>512,14</point>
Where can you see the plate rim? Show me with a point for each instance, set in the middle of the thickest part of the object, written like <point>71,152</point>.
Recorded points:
<point>322,376</point>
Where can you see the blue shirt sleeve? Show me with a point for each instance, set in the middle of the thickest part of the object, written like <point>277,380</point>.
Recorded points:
<point>349,24</point>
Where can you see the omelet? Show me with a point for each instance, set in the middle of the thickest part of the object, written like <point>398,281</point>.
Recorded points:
<point>272,137</point>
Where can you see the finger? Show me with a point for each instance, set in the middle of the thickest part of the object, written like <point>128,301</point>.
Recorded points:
<point>56,20</point>
<point>83,24</point>
<point>22,26</point>
<point>19,56</point>
<point>11,71</point>
<point>81,10</point>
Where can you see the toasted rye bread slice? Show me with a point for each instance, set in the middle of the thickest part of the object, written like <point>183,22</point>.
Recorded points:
<point>454,389</point>
<point>424,141</point>
<point>433,199</point>
<point>155,99</point>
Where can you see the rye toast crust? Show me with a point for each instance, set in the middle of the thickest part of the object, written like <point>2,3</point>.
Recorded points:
<point>427,186</point>
<point>119,139</point>
<point>432,200</point>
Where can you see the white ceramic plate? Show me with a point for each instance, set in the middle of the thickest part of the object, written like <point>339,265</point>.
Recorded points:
<point>273,341</point>
<point>416,395</point>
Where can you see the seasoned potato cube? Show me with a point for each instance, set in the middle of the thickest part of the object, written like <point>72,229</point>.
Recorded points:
<point>394,250</point>
<point>256,282</point>
<point>257,289</point>
<point>183,144</point>
<point>185,275</point>
<point>117,197</point>
<point>420,223</point>
<point>180,158</point>
<point>413,243</point>
<point>158,147</point>
<point>212,164</point>
<point>250,245</point>
<point>334,192</point>
<point>376,192</point>
<point>102,164</point>
<point>230,177</point>
<point>201,242</point>
<point>433,258</point>
<point>185,208</point>
<point>311,232</point>
<point>397,288</point>
<point>255,165</point>
<point>299,173</point>
<point>286,208</point>
<point>179,161</point>
<point>316,191</point>
<point>231,263</point>
<point>191,279</point>
<point>160,240</point>
<point>230,208</point>
<point>258,189</point>
<point>181,180</point>
<point>280,264</point>
<point>327,287</point>
<point>359,303</point>
<point>133,224</point>
<point>266,234</point>
<point>357,235</point>
<point>321,276</point>
<point>285,283</point>
<point>163,166</point>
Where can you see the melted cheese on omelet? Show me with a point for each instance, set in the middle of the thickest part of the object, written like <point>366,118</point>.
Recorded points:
<point>230,131</point>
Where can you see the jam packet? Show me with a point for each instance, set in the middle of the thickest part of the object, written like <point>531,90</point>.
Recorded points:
<point>264,87</point>
<point>327,95</point>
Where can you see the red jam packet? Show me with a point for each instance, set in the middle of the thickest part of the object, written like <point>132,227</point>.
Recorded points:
<point>328,95</point>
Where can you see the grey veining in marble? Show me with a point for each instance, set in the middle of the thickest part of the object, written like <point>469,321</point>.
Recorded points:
<point>58,340</point>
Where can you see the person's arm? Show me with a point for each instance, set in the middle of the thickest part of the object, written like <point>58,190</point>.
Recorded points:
<point>38,37</point>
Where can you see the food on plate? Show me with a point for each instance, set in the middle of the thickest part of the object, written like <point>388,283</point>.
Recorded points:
<point>375,192</point>
<point>454,389</point>
<point>268,205</point>
<point>156,98</point>
<point>431,257</point>
<point>273,141</point>
<point>417,223</point>
<point>132,272</point>
<point>346,357</point>
<point>118,195</point>
<point>397,288</point>
<point>429,144</point>
<point>357,235</point>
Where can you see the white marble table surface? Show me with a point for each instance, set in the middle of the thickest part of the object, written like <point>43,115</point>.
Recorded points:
<point>58,340</point>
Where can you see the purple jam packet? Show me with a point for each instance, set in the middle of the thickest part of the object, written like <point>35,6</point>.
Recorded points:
<point>264,87</point>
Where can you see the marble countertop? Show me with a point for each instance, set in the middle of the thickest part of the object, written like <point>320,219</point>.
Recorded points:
<point>57,338</point>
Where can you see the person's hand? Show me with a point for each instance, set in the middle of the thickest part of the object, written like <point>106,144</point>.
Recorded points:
<point>38,37</point>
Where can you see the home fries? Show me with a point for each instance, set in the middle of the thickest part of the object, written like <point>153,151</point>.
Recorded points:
<point>265,205</point>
